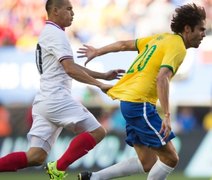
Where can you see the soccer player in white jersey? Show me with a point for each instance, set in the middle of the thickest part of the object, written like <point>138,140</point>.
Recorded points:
<point>54,108</point>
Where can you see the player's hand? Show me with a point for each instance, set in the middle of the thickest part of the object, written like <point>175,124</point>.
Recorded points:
<point>166,127</point>
<point>105,87</point>
<point>87,51</point>
<point>114,74</point>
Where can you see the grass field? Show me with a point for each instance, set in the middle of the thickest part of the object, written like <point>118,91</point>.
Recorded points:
<point>43,176</point>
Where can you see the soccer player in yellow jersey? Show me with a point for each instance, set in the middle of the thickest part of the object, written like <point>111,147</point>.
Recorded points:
<point>146,81</point>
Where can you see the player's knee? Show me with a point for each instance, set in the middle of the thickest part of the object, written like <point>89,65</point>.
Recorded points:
<point>37,161</point>
<point>148,160</point>
<point>36,157</point>
<point>175,160</point>
<point>103,132</point>
<point>172,160</point>
<point>99,134</point>
<point>147,166</point>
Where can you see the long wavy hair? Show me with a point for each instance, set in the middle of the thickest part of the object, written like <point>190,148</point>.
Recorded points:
<point>189,14</point>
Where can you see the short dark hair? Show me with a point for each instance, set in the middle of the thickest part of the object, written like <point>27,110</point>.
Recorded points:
<point>51,3</point>
<point>189,14</point>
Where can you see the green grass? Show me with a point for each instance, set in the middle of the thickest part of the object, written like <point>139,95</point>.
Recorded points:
<point>43,176</point>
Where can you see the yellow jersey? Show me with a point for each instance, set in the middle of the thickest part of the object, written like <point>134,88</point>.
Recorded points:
<point>139,82</point>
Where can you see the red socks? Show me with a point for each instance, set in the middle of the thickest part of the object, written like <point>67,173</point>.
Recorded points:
<point>78,147</point>
<point>13,162</point>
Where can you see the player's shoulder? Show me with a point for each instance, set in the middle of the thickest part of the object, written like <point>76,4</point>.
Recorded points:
<point>161,37</point>
<point>166,36</point>
<point>51,33</point>
<point>172,37</point>
<point>172,40</point>
<point>52,30</point>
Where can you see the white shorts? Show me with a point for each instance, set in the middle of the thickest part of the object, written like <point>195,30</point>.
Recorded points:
<point>52,115</point>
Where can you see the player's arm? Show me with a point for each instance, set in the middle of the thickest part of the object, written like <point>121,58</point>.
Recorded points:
<point>110,75</point>
<point>163,79</point>
<point>77,73</point>
<point>90,52</point>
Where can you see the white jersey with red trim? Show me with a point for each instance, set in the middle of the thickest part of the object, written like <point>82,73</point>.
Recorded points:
<point>54,108</point>
<point>53,47</point>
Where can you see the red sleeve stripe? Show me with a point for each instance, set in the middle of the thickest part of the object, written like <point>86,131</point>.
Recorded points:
<point>65,57</point>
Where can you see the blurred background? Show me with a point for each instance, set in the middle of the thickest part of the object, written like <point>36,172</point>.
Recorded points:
<point>98,23</point>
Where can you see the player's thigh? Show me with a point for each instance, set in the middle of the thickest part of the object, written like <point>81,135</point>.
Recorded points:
<point>70,114</point>
<point>167,154</point>
<point>146,155</point>
<point>88,124</point>
<point>43,132</point>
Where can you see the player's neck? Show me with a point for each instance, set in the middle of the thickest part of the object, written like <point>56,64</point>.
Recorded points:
<point>181,35</point>
<point>55,22</point>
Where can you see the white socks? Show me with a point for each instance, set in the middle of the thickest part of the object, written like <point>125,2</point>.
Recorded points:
<point>159,171</point>
<point>130,167</point>
<point>124,168</point>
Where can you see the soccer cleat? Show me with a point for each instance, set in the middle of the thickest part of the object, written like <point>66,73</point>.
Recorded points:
<point>84,175</point>
<point>54,174</point>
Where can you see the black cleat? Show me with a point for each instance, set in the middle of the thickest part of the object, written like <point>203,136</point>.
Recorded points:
<point>84,175</point>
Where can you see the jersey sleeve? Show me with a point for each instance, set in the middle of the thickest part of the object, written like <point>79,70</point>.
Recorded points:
<point>173,58</point>
<point>141,42</point>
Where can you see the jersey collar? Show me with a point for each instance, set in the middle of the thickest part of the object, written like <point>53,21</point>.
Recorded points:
<point>52,23</point>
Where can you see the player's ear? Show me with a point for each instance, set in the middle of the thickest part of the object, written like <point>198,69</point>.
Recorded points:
<point>55,10</point>
<point>187,28</point>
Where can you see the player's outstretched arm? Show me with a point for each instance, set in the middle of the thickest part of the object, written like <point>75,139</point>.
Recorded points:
<point>77,73</point>
<point>114,74</point>
<point>109,75</point>
<point>90,52</point>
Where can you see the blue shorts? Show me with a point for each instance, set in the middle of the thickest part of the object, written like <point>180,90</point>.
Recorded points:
<point>143,124</point>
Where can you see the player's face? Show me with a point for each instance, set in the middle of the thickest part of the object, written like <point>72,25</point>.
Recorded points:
<point>194,38</point>
<point>66,14</point>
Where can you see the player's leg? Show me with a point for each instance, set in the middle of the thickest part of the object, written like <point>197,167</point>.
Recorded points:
<point>36,156</point>
<point>13,162</point>
<point>19,160</point>
<point>42,136</point>
<point>166,163</point>
<point>39,147</point>
<point>148,133</point>
<point>98,134</point>
<point>121,169</point>
<point>90,132</point>
<point>78,147</point>
<point>146,156</point>
<point>126,168</point>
